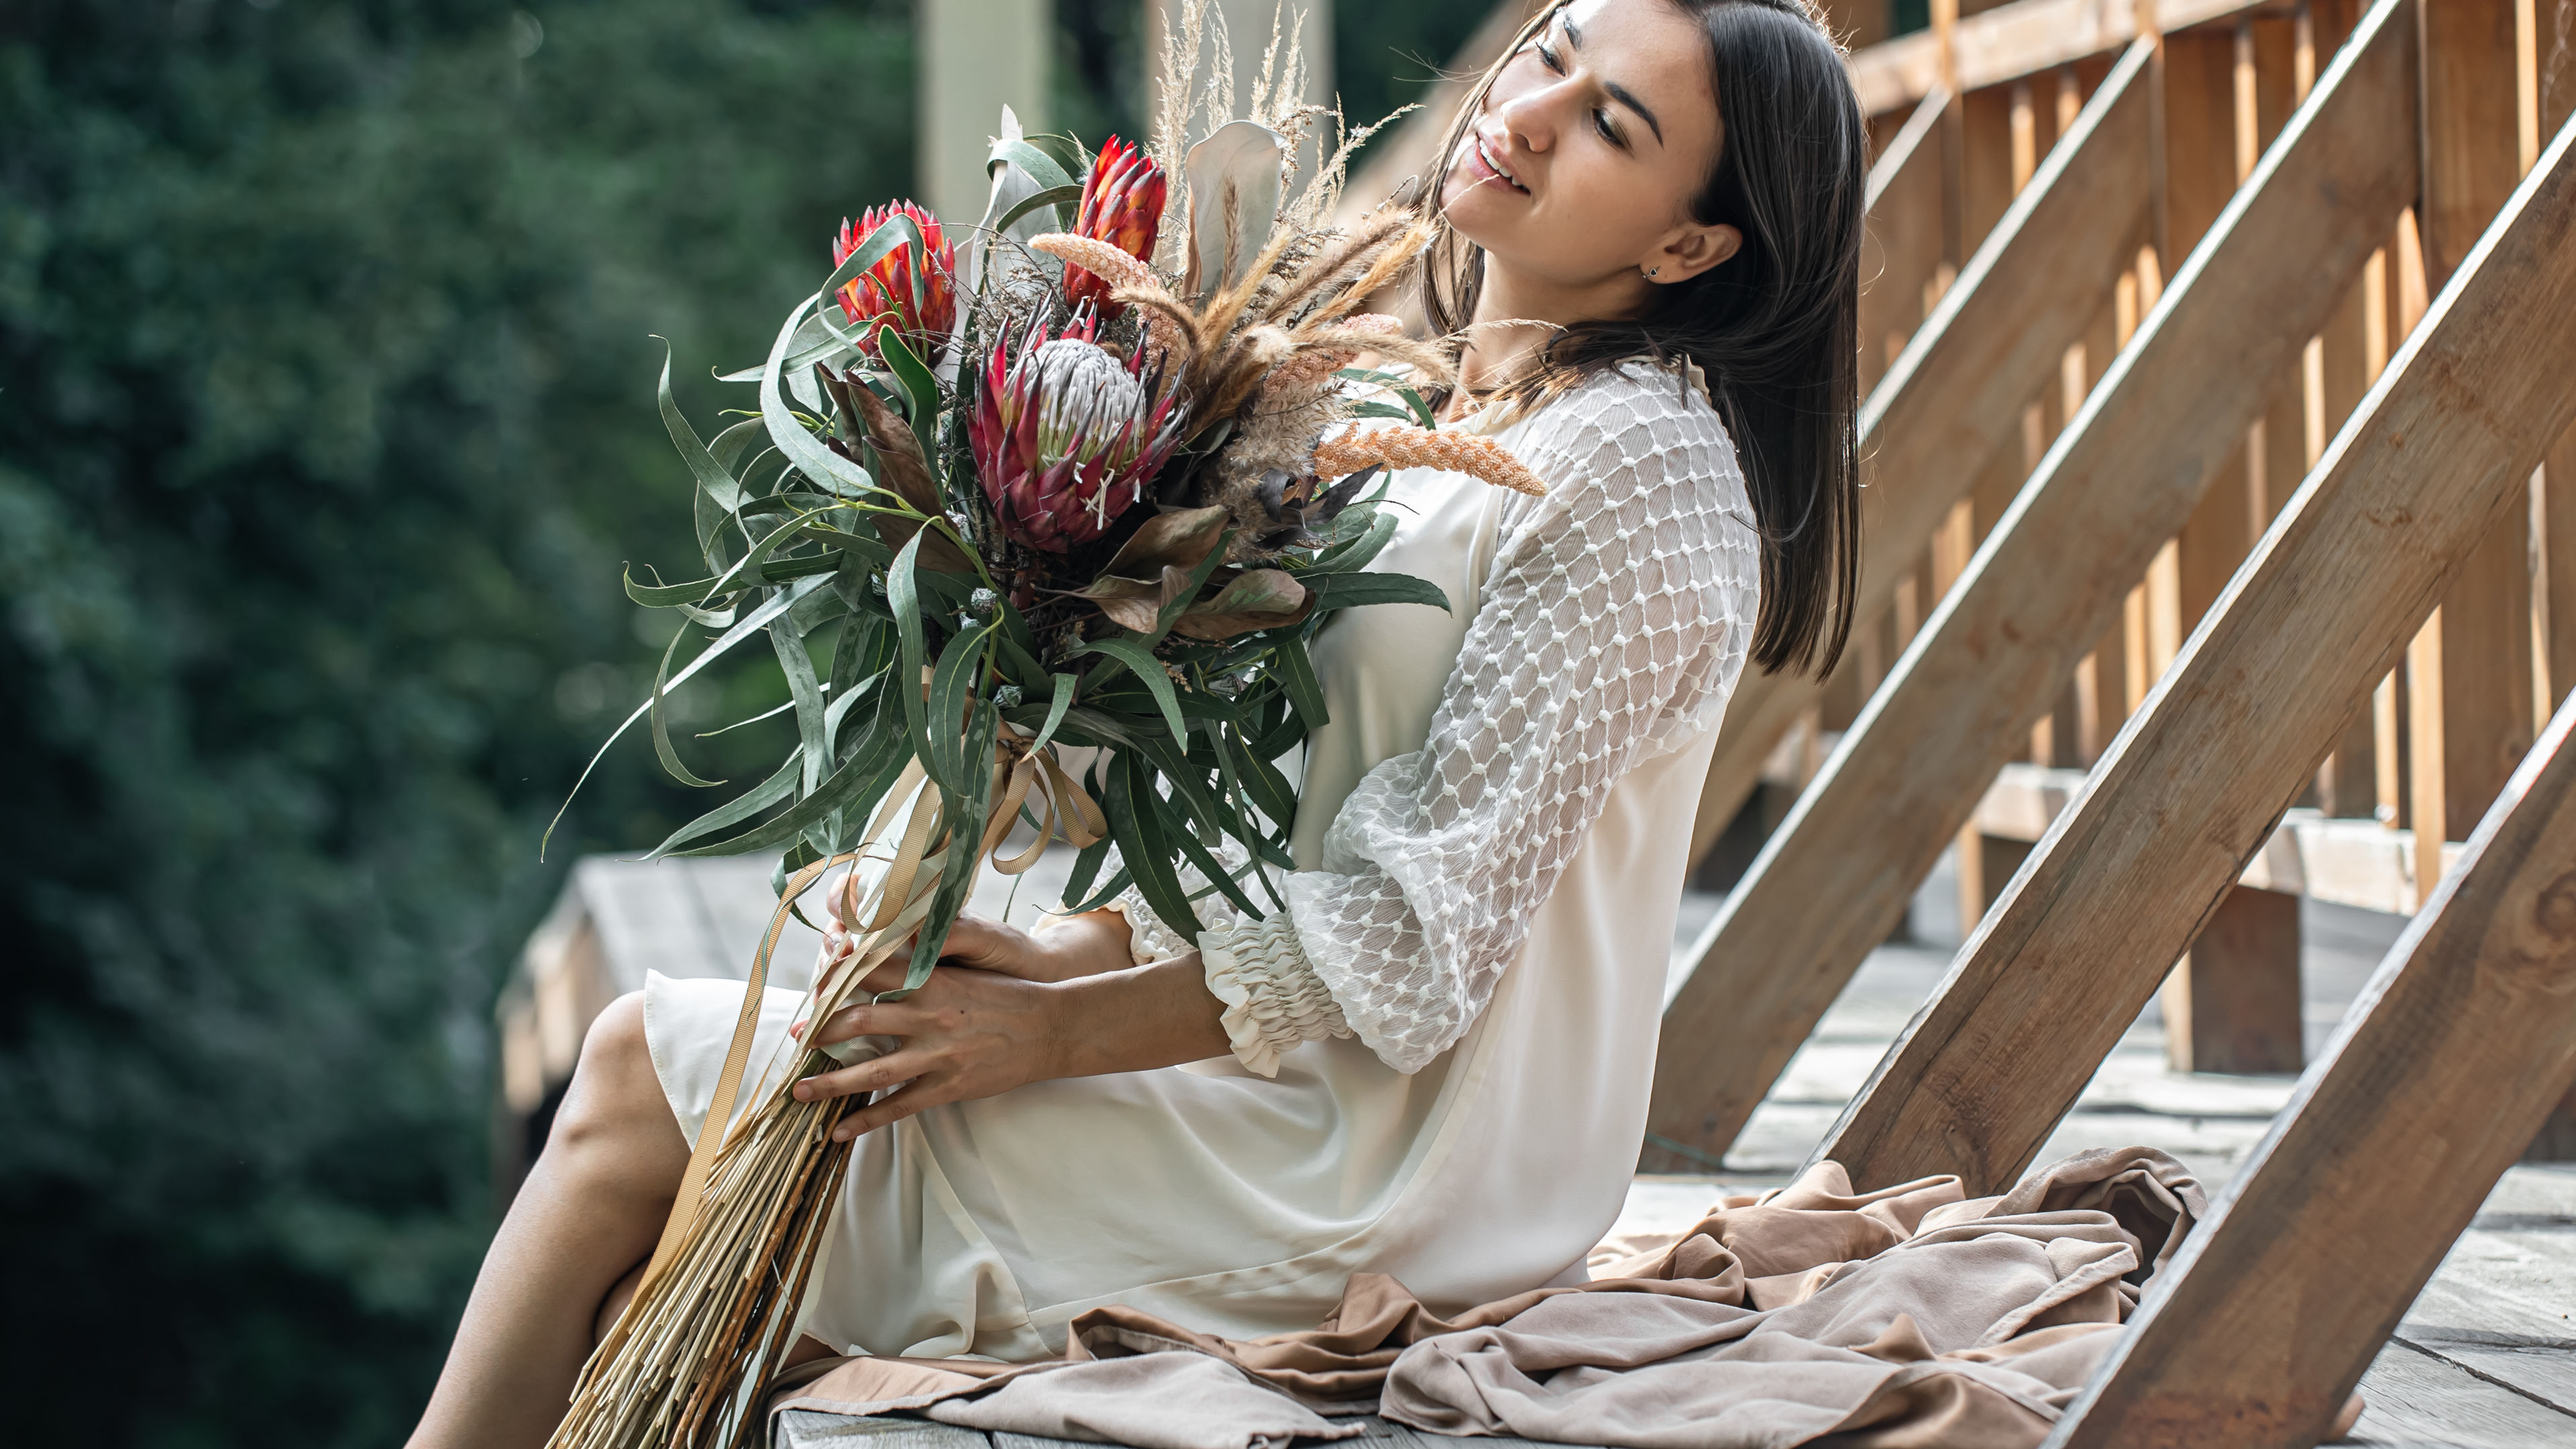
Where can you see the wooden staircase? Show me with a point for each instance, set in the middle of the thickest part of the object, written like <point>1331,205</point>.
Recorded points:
<point>2220,453</point>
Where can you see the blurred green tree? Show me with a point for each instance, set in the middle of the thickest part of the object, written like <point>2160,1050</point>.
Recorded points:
<point>325,426</point>
<point>1385,56</point>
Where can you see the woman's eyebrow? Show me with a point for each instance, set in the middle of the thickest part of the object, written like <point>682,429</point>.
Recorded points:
<point>1618,92</point>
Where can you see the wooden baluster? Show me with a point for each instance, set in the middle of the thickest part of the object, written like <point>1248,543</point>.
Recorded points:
<point>2232,1001</point>
<point>2469,685</point>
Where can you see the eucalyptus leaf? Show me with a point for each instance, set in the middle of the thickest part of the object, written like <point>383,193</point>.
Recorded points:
<point>1305,693</point>
<point>661,732</point>
<point>856,786</point>
<point>711,475</point>
<point>903,595</point>
<point>1041,167</point>
<point>965,814</point>
<point>806,693</point>
<point>818,340</point>
<point>952,685</point>
<point>1149,671</point>
<point>1137,826</point>
<point>733,812</point>
<point>827,468</point>
<point>1055,196</point>
<point>1349,590</point>
<point>1062,702</point>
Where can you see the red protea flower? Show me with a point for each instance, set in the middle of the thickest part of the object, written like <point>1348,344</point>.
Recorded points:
<point>1066,435</point>
<point>1122,204</point>
<point>886,288</point>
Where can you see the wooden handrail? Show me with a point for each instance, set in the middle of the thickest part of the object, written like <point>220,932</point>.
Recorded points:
<point>2440,451</point>
<point>2010,42</point>
<point>2051,578</point>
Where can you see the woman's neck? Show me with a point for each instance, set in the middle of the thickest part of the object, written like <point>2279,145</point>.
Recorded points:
<point>1516,314</point>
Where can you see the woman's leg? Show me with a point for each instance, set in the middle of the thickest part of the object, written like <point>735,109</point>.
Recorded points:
<point>586,1217</point>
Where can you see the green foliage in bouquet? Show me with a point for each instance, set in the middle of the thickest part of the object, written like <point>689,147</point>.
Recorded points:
<point>995,510</point>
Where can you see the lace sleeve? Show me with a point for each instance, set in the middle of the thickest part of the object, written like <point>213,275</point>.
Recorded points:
<point>1613,625</point>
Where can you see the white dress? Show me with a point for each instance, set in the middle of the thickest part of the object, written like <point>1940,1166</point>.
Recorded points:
<point>1444,1046</point>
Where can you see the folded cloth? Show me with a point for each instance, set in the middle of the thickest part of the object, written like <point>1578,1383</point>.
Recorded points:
<point>1910,1316</point>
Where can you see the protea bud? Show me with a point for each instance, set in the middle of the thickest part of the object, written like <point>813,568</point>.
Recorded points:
<point>885,290</point>
<point>1122,204</point>
<point>1066,435</point>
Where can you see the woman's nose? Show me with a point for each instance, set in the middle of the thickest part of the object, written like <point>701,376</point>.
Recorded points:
<point>1530,117</point>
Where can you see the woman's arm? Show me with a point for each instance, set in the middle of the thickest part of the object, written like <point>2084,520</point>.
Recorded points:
<point>969,1033</point>
<point>1616,615</point>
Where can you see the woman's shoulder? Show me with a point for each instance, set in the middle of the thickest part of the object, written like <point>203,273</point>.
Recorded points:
<point>1637,423</point>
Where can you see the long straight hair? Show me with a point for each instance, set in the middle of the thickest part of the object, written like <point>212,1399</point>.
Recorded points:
<point>1776,327</point>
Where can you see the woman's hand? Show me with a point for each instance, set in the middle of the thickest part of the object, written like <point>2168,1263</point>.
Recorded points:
<point>1063,948</point>
<point>971,1033</point>
<point>965,1034</point>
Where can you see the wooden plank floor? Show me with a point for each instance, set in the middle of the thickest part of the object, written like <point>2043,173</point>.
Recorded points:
<point>827,1431</point>
<point>2486,1358</point>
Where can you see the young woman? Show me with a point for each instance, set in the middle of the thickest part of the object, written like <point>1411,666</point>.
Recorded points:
<point>1435,1063</point>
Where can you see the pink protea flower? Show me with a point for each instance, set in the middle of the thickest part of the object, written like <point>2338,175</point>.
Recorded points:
<point>1122,204</point>
<point>886,289</point>
<point>1066,435</point>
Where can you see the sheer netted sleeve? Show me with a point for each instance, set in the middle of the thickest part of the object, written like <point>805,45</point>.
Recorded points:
<point>1612,626</point>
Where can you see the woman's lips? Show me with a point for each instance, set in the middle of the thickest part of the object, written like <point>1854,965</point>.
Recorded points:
<point>1480,169</point>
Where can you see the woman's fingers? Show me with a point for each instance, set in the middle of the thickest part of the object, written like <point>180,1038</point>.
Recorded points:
<point>885,1018</point>
<point>998,947</point>
<point>972,941</point>
<point>892,1069</point>
<point>923,1093</point>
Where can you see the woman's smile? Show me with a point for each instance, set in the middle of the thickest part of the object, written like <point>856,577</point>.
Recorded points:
<point>1485,158</point>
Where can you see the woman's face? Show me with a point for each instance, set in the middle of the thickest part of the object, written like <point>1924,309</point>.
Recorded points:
<point>1581,164</point>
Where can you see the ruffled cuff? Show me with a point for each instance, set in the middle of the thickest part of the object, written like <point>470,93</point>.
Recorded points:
<point>1273,998</point>
<point>1148,939</point>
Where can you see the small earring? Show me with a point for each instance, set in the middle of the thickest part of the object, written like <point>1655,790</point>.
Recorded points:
<point>1655,272</point>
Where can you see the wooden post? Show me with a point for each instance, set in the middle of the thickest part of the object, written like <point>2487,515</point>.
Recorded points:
<point>2167,822</point>
<point>2233,1003</point>
<point>2041,591</point>
<point>977,56</point>
<point>1954,396</point>
<point>2265,1320</point>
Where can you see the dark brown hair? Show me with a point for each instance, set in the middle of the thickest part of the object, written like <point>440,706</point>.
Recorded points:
<point>1775,327</point>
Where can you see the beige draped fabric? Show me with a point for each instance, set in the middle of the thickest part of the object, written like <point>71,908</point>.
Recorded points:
<point>1911,1316</point>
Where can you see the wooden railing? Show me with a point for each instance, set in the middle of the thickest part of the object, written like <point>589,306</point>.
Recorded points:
<point>2161,428</point>
<point>2311,502</point>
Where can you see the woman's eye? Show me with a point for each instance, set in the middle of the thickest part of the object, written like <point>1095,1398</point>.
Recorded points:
<point>1609,132</point>
<point>1547,54</point>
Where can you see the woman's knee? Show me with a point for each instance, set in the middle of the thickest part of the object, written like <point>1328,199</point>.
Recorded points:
<point>615,1101</point>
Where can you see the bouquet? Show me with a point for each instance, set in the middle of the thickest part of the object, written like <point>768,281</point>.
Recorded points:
<point>1044,493</point>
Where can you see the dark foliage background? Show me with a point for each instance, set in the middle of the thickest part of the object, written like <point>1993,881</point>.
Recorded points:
<point>325,426</point>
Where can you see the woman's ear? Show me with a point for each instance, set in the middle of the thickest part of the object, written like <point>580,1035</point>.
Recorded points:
<point>1691,251</point>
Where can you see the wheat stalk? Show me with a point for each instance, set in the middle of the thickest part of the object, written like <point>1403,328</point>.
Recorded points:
<point>1404,446</point>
